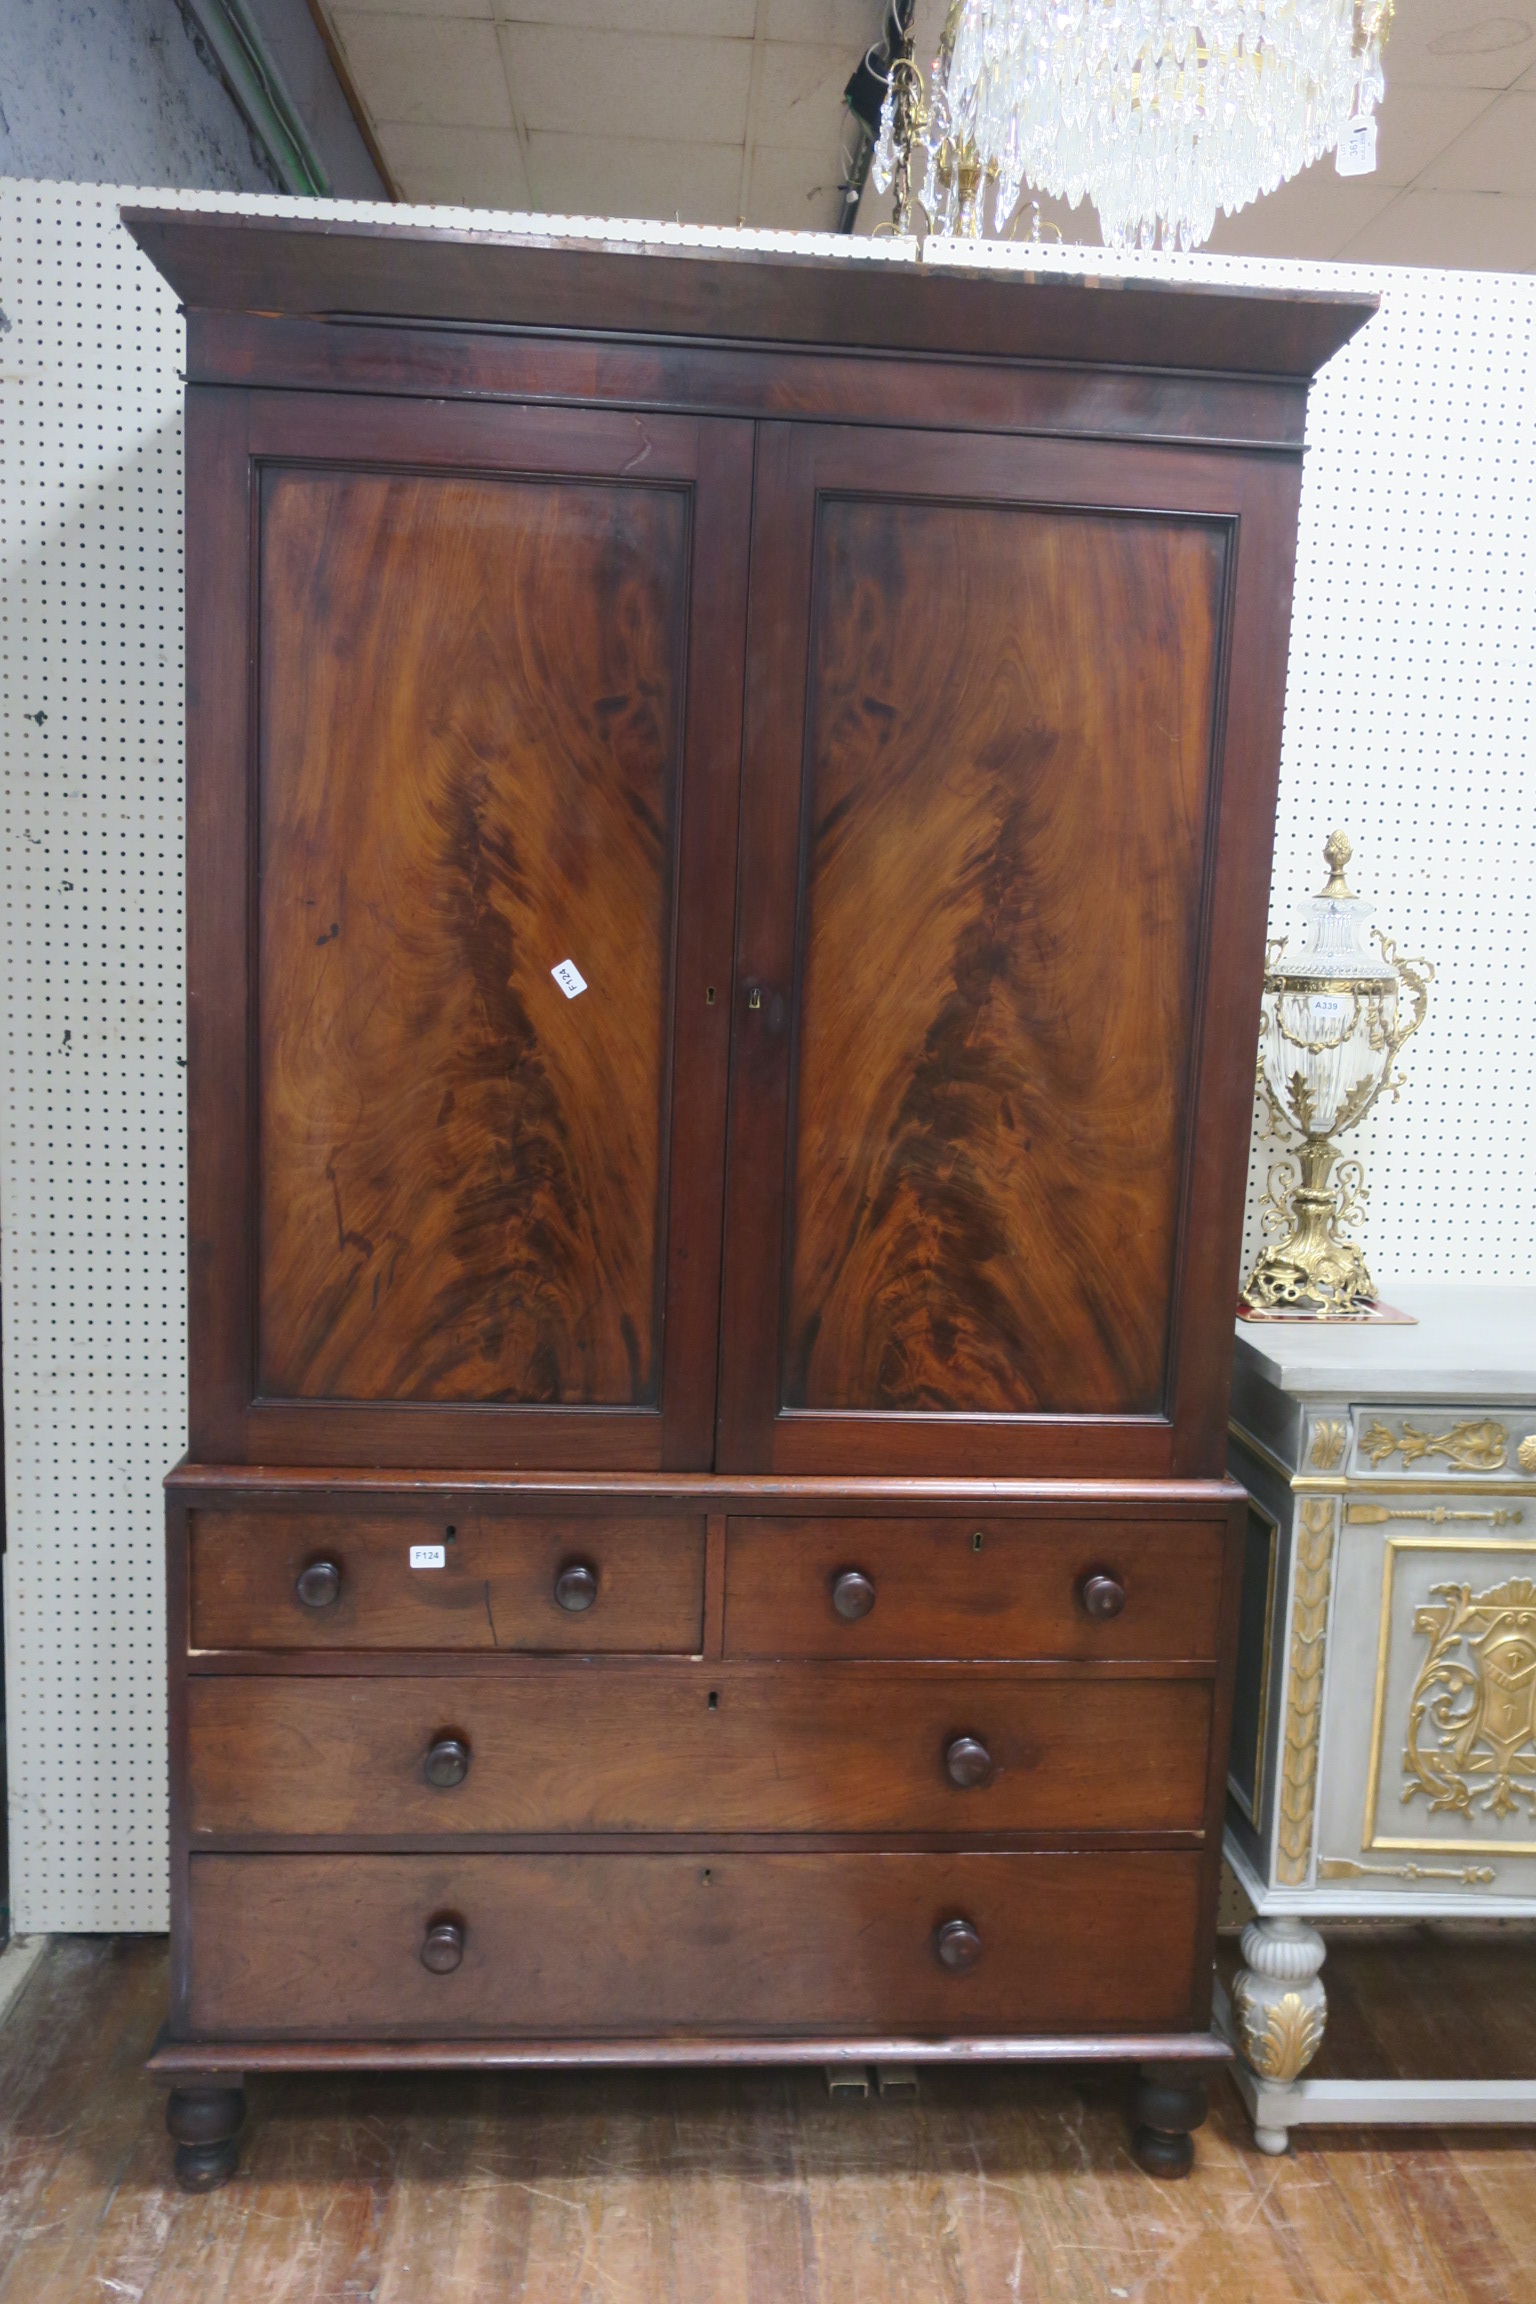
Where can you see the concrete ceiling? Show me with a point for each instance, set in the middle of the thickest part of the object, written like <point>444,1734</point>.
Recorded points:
<point>723,110</point>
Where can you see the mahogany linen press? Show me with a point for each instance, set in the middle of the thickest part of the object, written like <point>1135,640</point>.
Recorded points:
<point>729,807</point>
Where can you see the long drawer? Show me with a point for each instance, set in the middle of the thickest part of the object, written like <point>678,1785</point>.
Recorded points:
<point>323,1946</point>
<point>343,1580</point>
<point>794,1749</point>
<point>978,1586</point>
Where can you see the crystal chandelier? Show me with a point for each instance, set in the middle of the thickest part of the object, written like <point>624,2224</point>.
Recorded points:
<point>1160,111</point>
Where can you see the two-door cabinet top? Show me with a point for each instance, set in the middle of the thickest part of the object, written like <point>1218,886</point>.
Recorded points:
<point>731,804</point>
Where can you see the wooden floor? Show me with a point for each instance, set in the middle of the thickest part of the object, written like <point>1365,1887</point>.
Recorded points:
<point>995,2188</point>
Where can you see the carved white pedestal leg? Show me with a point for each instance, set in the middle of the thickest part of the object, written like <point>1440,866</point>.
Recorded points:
<point>1280,2009</point>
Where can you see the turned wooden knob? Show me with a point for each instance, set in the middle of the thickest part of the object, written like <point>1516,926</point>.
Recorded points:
<point>447,1761</point>
<point>957,1944</point>
<point>853,1594</point>
<point>319,1585</point>
<point>1102,1595</point>
<point>576,1587</point>
<point>968,1761</point>
<point>443,1947</point>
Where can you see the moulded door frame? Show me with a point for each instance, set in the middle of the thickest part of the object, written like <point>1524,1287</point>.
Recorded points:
<point>232,434</point>
<point>1256,498</point>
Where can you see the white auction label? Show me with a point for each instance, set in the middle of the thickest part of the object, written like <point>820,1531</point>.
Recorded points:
<point>1328,1008</point>
<point>569,978</point>
<point>1356,155</point>
<point>429,1556</point>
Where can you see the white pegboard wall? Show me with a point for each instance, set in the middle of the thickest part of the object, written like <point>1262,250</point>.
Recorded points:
<point>1411,722</point>
<point>1409,719</point>
<point>92,1155</point>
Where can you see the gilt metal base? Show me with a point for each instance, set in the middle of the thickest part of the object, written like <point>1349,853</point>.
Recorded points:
<point>1314,1267</point>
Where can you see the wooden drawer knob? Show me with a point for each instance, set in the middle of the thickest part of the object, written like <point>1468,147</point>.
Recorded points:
<point>576,1587</point>
<point>853,1594</point>
<point>443,1946</point>
<point>968,1761</point>
<point>1102,1595</point>
<point>957,1944</point>
<point>319,1585</point>
<point>447,1761</point>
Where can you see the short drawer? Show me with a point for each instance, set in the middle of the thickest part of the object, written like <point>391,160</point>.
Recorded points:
<point>983,1586</point>
<point>796,1749</point>
<point>325,1946</point>
<point>591,1585</point>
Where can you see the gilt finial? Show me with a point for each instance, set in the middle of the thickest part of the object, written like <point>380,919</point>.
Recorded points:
<point>1336,854</point>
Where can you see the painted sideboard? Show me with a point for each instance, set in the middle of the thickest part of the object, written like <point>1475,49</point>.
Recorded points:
<point>1384,1733</point>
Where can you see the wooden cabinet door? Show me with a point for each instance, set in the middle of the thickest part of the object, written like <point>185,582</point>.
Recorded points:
<point>1012,740</point>
<point>465,744</point>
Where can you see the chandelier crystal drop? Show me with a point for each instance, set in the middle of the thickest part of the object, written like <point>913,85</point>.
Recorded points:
<point>1161,112</point>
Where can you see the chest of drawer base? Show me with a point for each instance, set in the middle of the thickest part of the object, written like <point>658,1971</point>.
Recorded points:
<point>739,1841</point>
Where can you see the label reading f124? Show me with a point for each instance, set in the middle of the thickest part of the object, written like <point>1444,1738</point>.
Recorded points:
<point>429,1556</point>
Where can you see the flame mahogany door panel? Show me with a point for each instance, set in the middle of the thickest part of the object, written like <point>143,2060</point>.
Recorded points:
<point>1011,745</point>
<point>494,728</point>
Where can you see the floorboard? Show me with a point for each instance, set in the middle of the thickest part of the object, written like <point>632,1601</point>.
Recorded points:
<point>995,2187</point>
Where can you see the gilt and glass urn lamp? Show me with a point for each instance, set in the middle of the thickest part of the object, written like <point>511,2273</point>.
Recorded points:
<point>1336,1011</point>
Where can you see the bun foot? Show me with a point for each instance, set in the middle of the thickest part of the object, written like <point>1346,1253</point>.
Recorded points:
<point>205,2123</point>
<point>1161,2152</point>
<point>1169,2101</point>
